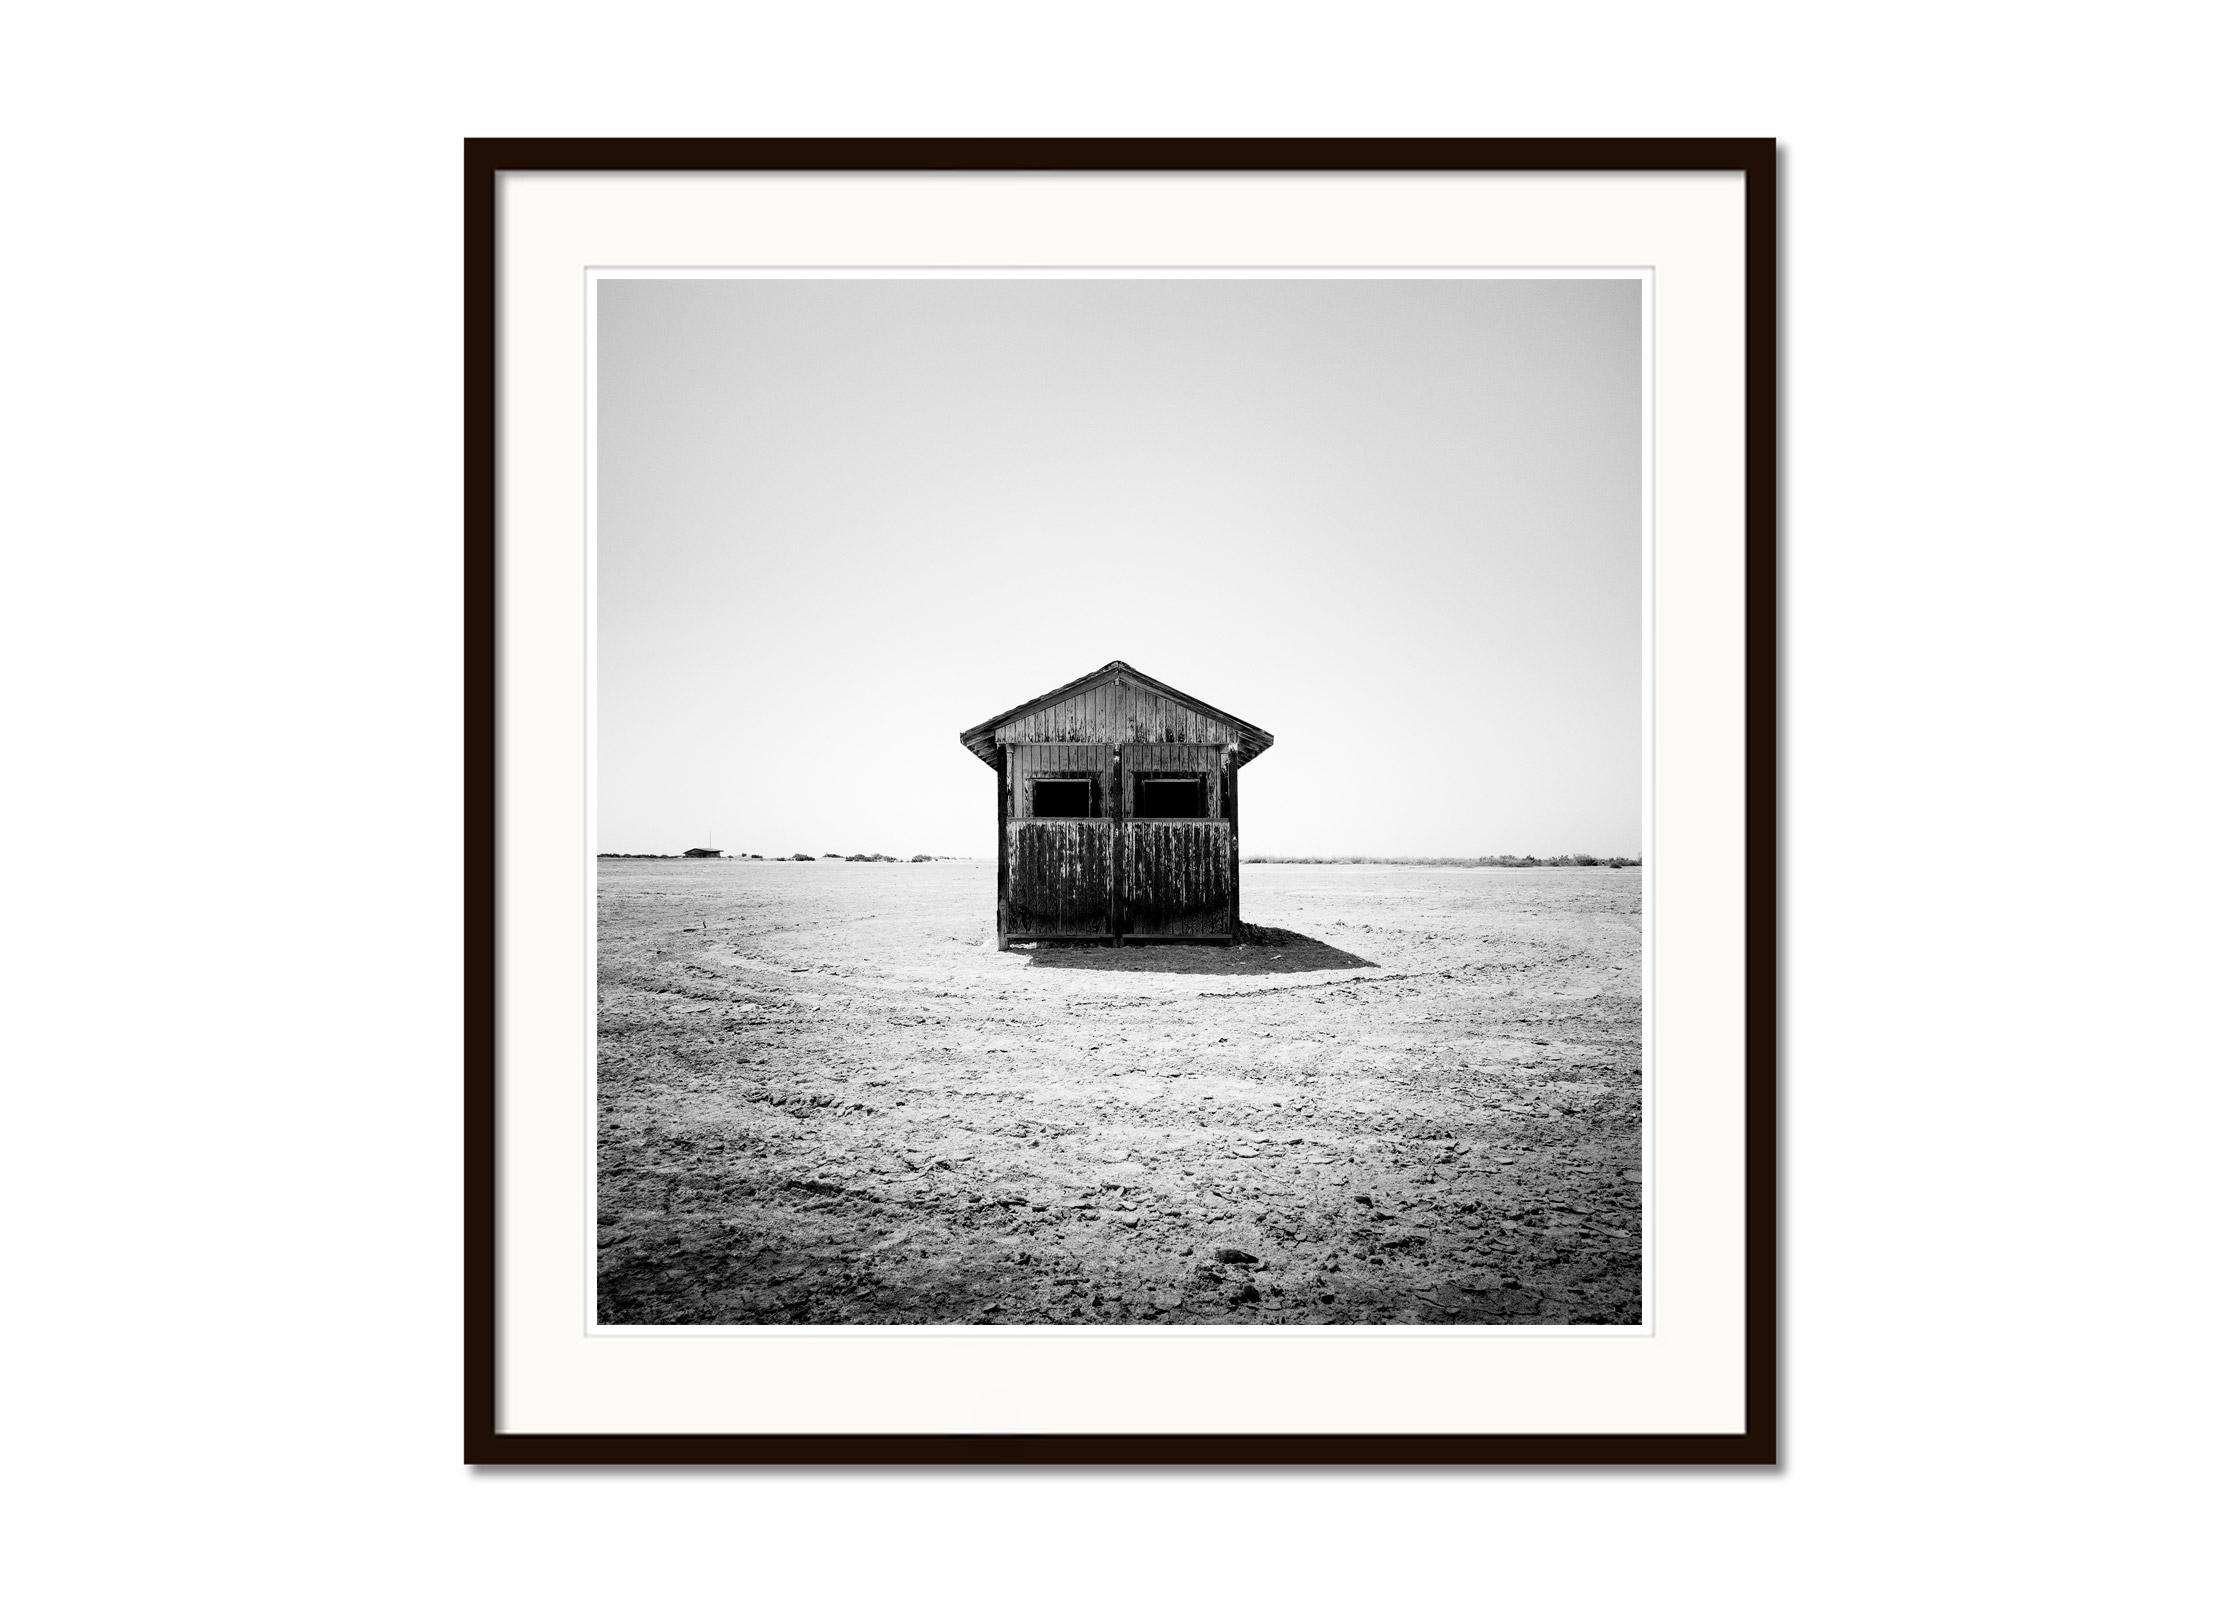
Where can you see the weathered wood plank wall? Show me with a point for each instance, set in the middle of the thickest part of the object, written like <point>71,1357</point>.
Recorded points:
<point>1178,880</point>
<point>1204,758</point>
<point>1032,761</point>
<point>1059,879</point>
<point>1116,713</point>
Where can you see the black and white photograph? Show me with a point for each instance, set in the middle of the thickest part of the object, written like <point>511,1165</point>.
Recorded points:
<point>1119,799</point>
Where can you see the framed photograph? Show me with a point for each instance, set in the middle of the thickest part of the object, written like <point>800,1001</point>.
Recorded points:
<point>1126,801</point>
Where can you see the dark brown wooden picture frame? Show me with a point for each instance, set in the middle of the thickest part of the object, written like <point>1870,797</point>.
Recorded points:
<point>488,162</point>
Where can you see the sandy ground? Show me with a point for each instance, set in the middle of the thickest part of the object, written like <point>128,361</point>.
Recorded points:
<point>824,1096</point>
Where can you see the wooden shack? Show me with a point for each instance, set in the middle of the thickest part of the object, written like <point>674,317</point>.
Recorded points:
<point>1116,811</point>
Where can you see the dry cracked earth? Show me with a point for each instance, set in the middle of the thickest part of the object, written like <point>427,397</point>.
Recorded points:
<point>826,1097</point>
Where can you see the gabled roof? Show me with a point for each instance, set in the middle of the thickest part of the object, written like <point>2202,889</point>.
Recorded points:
<point>981,738</point>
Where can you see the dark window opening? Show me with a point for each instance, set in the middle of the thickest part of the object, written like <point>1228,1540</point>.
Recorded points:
<point>1064,797</point>
<point>1170,794</point>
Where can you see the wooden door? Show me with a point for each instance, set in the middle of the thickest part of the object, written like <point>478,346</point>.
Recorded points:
<point>1177,858</point>
<point>1059,842</point>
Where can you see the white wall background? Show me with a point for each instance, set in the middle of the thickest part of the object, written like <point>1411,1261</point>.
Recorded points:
<point>230,632</point>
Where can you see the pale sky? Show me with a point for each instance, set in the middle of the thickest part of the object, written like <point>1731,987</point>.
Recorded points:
<point>1396,523</point>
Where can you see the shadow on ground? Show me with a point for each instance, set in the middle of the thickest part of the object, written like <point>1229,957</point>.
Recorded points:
<point>1262,951</point>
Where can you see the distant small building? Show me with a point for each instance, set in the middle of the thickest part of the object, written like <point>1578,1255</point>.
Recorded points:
<point>1116,811</point>
<point>703,855</point>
